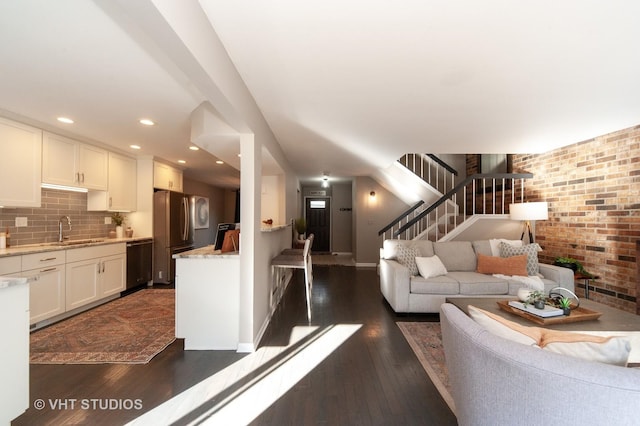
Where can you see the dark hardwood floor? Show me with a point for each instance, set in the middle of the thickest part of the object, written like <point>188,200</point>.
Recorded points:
<point>373,378</point>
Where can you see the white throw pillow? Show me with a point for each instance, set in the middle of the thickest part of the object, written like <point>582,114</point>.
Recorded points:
<point>430,266</point>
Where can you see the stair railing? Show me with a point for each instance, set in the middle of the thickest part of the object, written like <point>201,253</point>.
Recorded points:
<point>431,169</point>
<point>481,194</point>
<point>389,230</point>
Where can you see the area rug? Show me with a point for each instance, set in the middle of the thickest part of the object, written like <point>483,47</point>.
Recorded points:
<point>129,330</point>
<point>425,338</point>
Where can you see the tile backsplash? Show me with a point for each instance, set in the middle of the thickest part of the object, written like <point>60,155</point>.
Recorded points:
<point>42,222</point>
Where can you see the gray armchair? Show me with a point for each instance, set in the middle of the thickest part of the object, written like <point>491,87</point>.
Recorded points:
<point>499,382</point>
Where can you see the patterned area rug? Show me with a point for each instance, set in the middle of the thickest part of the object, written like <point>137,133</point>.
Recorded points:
<point>425,338</point>
<point>130,330</point>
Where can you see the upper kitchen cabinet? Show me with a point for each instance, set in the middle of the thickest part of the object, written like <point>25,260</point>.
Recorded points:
<point>72,163</point>
<point>166,177</point>
<point>122,195</point>
<point>20,174</point>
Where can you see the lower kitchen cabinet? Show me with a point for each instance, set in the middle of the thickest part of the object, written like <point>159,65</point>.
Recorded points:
<point>113,275</point>
<point>94,273</point>
<point>46,274</point>
<point>46,292</point>
<point>82,283</point>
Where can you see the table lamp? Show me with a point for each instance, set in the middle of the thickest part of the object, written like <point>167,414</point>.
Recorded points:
<point>528,212</point>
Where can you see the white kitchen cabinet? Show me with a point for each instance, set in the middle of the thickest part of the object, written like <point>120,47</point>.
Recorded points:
<point>46,292</point>
<point>14,335</point>
<point>72,163</point>
<point>167,177</point>
<point>94,273</point>
<point>122,195</point>
<point>20,173</point>
<point>10,266</point>
<point>113,275</point>
<point>46,274</point>
<point>82,283</point>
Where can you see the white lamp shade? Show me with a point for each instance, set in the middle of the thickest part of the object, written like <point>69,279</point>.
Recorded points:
<point>529,211</point>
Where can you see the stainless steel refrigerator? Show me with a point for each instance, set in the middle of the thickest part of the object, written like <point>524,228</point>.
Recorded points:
<point>172,232</point>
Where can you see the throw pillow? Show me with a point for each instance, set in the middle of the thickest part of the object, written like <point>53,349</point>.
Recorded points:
<point>495,244</point>
<point>609,350</point>
<point>531,250</point>
<point>515,265</point>
<point>407,256</point>
<point>430,266</point>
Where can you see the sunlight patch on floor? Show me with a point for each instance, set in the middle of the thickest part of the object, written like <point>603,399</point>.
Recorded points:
<point>240,392</point>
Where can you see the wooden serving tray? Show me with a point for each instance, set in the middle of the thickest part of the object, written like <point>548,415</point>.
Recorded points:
<point>577,315</point>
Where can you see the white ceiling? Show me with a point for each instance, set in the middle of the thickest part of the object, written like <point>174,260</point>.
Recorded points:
<point>346,86</point>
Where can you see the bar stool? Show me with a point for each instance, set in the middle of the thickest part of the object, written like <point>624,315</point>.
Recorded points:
<point>294,261</point>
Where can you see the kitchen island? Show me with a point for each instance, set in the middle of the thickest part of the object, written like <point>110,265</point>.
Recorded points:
<point>208,299</point>
<point>14,369</point>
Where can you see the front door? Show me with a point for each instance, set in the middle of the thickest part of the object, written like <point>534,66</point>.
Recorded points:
<point>318,215</point>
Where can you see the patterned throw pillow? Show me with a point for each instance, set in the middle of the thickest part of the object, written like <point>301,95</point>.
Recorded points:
<point>531,250</point>
<point>407,256</point>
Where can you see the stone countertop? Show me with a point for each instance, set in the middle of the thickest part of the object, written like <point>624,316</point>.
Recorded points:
<point>11,281</point>
<point>207,252</point>
<point>272,228</point>
<point>67,245</point>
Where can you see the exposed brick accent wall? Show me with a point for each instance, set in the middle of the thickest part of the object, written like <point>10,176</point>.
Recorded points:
<point>43,222</point>
<point>593,190</point>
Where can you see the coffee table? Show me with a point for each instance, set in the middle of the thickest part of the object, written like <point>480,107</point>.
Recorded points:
<point>611,319</point>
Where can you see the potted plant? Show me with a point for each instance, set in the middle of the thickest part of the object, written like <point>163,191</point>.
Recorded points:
<point>571,263</point>
<point>564,303</point>
<point>536,298</point>
<point>118,220</point>
<point>301,227</point>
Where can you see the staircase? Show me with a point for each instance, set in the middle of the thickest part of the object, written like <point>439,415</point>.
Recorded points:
<point>451,207</point>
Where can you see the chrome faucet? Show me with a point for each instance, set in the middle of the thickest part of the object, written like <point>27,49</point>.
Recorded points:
<point>61,238</point>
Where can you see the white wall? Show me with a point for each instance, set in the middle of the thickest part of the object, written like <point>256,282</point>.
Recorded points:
<point>369,216</point>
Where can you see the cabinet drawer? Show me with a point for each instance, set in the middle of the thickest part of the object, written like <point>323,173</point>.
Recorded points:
<point>43,260</point>
<point>10,265</point>
<point>84,253</point>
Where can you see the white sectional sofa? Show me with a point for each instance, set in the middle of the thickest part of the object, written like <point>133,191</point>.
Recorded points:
<point>407,292</point>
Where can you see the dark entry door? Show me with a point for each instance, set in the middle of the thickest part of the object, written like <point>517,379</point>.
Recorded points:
<point>318,214</point>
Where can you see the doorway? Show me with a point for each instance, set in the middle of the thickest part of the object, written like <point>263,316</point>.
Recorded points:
<point>318,215</point>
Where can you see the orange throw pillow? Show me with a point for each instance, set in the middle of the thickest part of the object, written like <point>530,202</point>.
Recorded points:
<point>514,265</point>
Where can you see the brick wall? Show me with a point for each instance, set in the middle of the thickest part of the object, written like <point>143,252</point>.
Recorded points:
<point>43,222</point>
<point>593,190</point>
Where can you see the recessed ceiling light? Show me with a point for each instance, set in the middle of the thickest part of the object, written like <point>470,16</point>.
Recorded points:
<point>134,146</point>
<point>219,162</point>
<point>147,122</point>
<point>182,162</point>
<point>194,148</point>
<point>65,120</point>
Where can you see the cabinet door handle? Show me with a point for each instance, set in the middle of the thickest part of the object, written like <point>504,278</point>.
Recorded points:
<point>47,259</point>
<point>77,176</point>
<point>110,201</point>
<point>103,267</point>
<point>82,177</point>
<point>48,270</point>
<point>98,265</point>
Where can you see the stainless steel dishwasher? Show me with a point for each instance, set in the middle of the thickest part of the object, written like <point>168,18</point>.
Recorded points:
<point>139,262</point>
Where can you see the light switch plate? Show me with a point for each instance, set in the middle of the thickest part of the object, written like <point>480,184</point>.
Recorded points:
<point>21,222</point>
<point>107,220</point>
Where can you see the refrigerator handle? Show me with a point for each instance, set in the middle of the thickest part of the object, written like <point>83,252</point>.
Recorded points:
<point>185,230</point>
